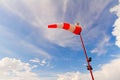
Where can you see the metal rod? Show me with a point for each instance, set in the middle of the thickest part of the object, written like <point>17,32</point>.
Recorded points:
<point>85,53</point>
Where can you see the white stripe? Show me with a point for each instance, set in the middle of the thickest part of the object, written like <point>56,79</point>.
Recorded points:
<point>60,25</point>
<point>72,28</point>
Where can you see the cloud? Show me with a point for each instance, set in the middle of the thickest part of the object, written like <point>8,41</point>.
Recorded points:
<point>34,49</point>
<point>19,44</point>
<point>109,71</point>
<point>73,76</point>
<point>14,69</point>
<point>40,13</point>
<point>101,47</point>
<point>36,60</point>
<point>116,30</point>
<point>115,55</point>
<point>43,62</point>
<point>40,62</point>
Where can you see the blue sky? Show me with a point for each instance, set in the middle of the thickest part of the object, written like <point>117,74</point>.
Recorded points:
<point>29,50</point>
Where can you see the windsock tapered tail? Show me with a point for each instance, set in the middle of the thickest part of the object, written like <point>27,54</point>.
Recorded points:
<point>76,29</point>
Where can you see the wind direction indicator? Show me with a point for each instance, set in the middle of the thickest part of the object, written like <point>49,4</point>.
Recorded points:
<point>76,29</point>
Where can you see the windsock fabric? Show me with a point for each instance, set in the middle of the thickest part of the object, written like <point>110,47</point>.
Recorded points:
<point>76,29</point>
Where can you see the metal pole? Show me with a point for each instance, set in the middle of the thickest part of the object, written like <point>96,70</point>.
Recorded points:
<point>87,59</point>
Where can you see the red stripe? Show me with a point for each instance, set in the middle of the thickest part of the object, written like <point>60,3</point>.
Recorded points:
<point>66,26</point>
<point>77,30</point>
<point>52,26</point>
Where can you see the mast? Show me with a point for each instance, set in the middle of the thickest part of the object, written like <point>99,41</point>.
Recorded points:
<point>88,60</point>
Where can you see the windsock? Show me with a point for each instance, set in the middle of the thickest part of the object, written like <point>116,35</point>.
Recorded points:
<point>76,29</point>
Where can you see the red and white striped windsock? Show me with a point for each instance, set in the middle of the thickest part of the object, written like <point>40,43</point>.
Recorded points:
<point>76,29</point>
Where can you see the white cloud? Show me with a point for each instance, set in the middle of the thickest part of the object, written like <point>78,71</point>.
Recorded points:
<point>34,49</point>
<point>40,62</point>
<point>64,7</point>
<point>94,11</point>
<point>73,76</point>
<point>116,30</point>
<point>40,13</point>
<point>115,55</point>
<point>101,47</point>
<point>17,42</point>
<point>109,71</point>
<point>36,60</point>
<point>14,69</point>
<point>43,62</point>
